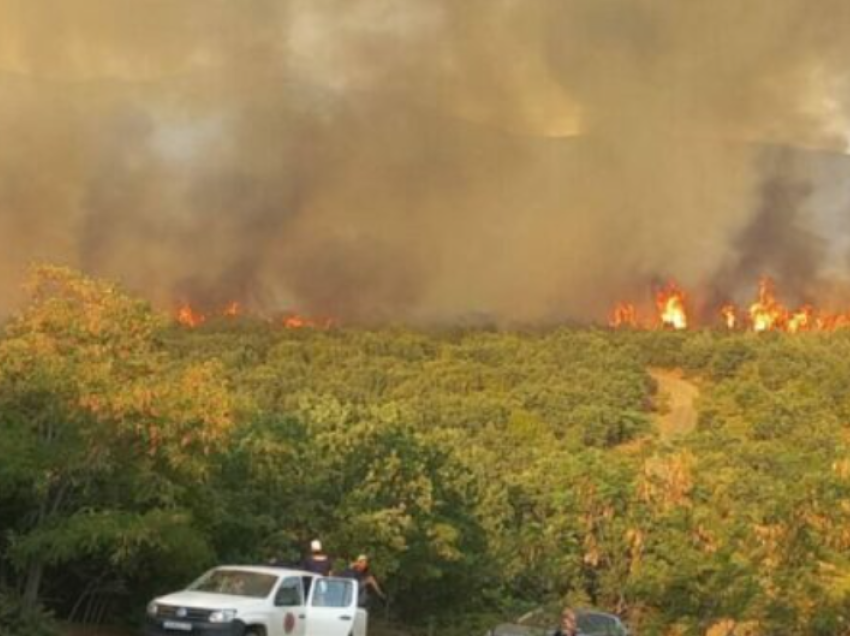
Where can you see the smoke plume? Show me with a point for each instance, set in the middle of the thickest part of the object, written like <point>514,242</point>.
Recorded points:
<point>424,160</point>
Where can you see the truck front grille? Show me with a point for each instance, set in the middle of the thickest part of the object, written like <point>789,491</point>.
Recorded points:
<point>192,613</point>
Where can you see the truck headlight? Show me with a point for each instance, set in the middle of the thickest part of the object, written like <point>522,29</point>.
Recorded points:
<point>153,608</point>
<point>222,616</point>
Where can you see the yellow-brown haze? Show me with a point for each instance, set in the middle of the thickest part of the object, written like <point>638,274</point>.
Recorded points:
<point>418,160</point>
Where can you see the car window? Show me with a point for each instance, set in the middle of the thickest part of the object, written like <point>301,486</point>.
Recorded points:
<point>235,583</point>
<point>289,593</point>
<point>592,624</point>
<point>332,593</point>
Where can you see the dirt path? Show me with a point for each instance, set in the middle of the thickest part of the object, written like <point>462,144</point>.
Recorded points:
<point>677,414</point>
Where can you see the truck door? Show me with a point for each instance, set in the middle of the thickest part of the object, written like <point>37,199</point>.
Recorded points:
<point>289,617</point>
<point>332,607</point>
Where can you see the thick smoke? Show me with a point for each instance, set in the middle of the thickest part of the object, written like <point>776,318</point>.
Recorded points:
<point>424,160</point>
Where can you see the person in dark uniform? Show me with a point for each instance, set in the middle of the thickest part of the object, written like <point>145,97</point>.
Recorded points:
<point>317,561</point>
<point>360,572</point>
<point>569,625</point>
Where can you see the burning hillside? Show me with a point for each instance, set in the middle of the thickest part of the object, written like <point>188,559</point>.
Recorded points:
<point>671,309</point>
<point>765,313</point>
<point>191,317</point>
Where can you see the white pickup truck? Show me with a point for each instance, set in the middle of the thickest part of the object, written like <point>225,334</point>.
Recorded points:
<point>259,601</point>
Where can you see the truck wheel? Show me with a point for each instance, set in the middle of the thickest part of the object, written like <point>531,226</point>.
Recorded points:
<point>254,631</point>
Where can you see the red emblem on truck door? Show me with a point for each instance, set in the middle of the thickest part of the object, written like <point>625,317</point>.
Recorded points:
<point>289,622</point>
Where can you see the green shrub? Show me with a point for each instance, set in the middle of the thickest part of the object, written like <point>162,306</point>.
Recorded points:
<point>15,620</point>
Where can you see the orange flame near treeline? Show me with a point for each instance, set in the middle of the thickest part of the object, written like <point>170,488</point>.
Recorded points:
<point>671,307</point>
<point>191,317</point>
<point>296,321</point>
<point>624,315</point>
<point>671,312</point>
<point>730,315</point>
<point>766,313</point>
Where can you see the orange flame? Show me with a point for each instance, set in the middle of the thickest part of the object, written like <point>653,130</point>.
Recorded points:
<point>189,317</point>
<point>624,315</point>
<point>730,315</point>
<point>296,321</point>
<point>802,320</point>
<point>671,307</point>
<point>766,313</point>
<point>831,322</point>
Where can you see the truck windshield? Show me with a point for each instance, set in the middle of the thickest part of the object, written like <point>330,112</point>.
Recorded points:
<point>236,583</point>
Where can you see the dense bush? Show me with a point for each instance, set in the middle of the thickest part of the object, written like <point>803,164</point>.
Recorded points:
<point>16,620</point>
<point>485,471</point>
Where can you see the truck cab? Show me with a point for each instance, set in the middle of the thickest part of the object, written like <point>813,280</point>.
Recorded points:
<point>259,601</point>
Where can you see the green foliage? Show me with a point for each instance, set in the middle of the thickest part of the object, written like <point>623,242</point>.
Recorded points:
<point>485,472</point>
<point>102,432</point>
<point>16,620</point>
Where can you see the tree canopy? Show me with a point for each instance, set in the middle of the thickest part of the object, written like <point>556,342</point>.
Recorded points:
<point>485,472</point>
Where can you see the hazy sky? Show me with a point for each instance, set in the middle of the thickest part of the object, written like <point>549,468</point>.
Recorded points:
<point>422,160</point>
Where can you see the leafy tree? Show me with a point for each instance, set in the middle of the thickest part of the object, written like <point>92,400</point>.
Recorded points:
<point>101,432</point>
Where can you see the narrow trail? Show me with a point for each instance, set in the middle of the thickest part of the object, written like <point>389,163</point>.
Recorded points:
<point>677,414</point>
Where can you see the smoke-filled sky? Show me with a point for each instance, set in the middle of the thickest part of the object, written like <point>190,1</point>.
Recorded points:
<point>426,160</point>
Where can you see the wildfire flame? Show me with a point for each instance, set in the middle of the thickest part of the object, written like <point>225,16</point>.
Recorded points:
<point>624,315</point>
<point>296,321</point>
<point>802,320</point>
<point>671,307</point>
<point>730,315</point>
<point>189,317</point>
<point>765,314</point>
<point>830,322</point>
